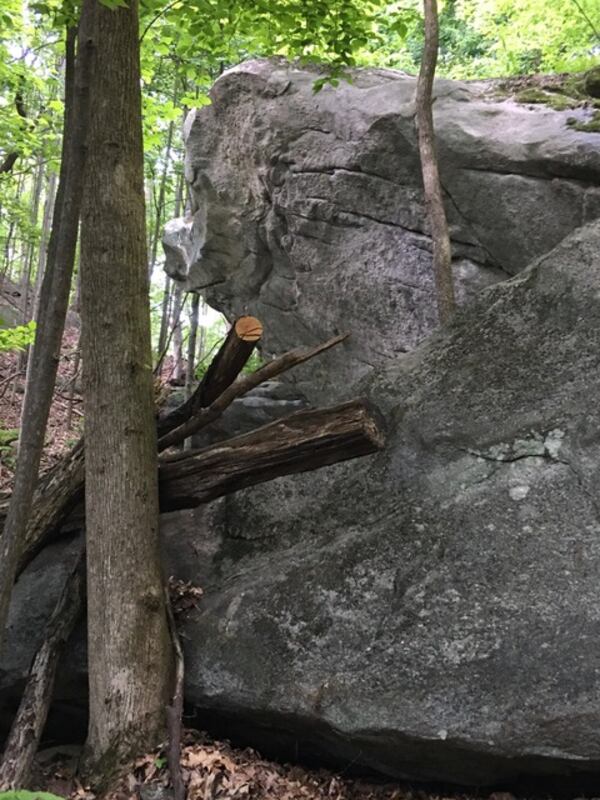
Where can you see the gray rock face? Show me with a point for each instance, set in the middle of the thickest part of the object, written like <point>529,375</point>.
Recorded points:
<point>309,210</point>
<point>432,611</point>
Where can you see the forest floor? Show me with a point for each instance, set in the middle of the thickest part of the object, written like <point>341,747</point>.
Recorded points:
<point>217,771</point>
<point>66,416</point>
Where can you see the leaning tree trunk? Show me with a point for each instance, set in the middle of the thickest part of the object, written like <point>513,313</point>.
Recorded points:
<point>128,636</point>
<point>54,298</point>
<point>432,187</point>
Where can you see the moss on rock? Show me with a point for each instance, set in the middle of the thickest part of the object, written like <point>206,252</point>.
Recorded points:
<point>555,100</point>
<point>590,125</point>
<point>591,82</point>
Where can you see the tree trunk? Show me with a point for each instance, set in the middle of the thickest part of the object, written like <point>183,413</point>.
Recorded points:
<point>54,298</point>
<point>191,354</point>
<point>177,328</point>
<point>432,187</point>
<point>128,637</point>
<point>191,351</point>
<point>160,205</point>
<point>28,271</point>
<point>165,315</point>
<point>46,228</point>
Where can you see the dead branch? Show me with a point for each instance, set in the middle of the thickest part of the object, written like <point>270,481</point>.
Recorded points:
<point>241,387</point>
<point>300,442</point>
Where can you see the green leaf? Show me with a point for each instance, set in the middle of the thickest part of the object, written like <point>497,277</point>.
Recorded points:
<point>22,794</point>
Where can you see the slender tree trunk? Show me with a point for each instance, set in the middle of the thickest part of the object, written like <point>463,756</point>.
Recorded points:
<point>164,316</point>
<point>191,351</point>
<point>160,206</point>
<point>432,187</point>
<point>170,298</point>
<point>178,302</point>
<point>54,298</point>
<point>128,637</point>
<point>28,299</point>
<point>46,227</point>
<point>191,354</point>
<point>202,337</point>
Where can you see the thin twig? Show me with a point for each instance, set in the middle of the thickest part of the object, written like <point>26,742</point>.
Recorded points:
<point>157,16</point>
<point>175,709</point>
<point>583,13</point>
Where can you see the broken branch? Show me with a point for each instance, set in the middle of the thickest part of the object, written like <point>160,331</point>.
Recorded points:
<point>241,387</point>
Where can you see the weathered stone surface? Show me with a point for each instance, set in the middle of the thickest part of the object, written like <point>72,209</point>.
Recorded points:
<point>432,611</point>
<point>309,212</point>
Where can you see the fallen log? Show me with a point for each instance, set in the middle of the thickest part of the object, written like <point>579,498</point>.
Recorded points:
<point>28,724</point>
<point>61,490</point>
<point>300,442</point>
<point>242,386</point>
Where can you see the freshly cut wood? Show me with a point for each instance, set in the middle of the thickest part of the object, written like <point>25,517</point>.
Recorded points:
<point>242,386</point>
<point>229,361</point>
<point>297,443</point>
<point>29,722</point>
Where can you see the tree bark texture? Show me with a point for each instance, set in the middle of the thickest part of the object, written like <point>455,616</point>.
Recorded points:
<point>432,187</point>
<point>54,299</point>
<point>300,442</point>
<point>128,638</point>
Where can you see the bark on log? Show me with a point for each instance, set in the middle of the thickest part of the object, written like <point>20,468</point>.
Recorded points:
<point>57,495</point>
<point>205,416</point>
<point>297,443</point>
<point>28,725</point>
<point>223,370</point>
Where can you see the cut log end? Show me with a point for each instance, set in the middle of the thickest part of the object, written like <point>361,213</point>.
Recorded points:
<point>249,329</point>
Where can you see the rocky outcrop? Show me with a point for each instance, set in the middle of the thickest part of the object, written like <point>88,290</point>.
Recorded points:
<point>309,210</point>
<point>432,611</point>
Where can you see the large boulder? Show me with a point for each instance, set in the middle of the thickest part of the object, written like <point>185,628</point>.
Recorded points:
<point>308,208</point>
<point>430,612</point>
